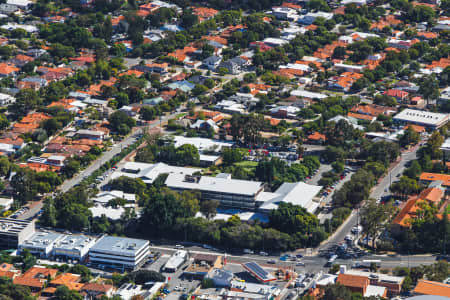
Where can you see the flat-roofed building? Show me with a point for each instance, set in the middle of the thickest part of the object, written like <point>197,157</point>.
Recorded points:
<point>176,261</point>
<point>14,232</point>
<point>424,118</point>
<point>73,247</point>
<point>119,252</point>
<point>231,193</point>
<point>41,243</point>
<point>149,172</point>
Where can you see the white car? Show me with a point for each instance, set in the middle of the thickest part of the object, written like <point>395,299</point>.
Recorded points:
<point>357,229</point>
<point>263,253</point>
<point>179,246</point>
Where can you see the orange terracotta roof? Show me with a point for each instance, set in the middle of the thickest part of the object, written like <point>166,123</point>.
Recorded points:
<point>291,5</point>
<point>442,63</point>
<point>360,116</point>
<point>317,136</point>
<point>388,21</point>
<point>349,280</point>
<point>6,68</point>
<point>5,267</point>
<point>24,57</point>
<point>65,278</point>
<point>433,195</point>
<point>427,35</point>
<point>416,128</point>
<point>142,13</point>
<point>311,27</point>
<point>403,217</point>
<point>436,176</point>
<point>216,39</point>
<point>415,3</point>
<point>92,286</point>
<point>35,277</point>
<point>205,12</point>
<point>8,274</point>
<point>426,287</point>
<point>132,72</point>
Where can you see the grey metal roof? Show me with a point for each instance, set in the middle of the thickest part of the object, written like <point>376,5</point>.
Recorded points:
<point>119,245</point>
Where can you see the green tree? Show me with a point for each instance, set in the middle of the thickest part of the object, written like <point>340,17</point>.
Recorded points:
<point>429,88</point>
<point>63,293</point>
<point>209,208</point>
<point>121,123</point>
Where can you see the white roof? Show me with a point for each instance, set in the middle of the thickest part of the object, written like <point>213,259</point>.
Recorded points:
<point>109,212</point>
<point>302,67</point>
<point>380,276</point>
<point>374,290</point>
<point>275,41</point>
<point>19,2</point>
<point>105,197</point>
<point>176,260</point>
<point>5,96</point>
<point>306,94</point>
<point>422,117</point>
<point>149,172</point>
<point>214,184</point>
<point>201,144</point>
<point>446,144</point>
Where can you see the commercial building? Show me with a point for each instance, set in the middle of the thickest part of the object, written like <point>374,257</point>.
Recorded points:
<point>231,193</point>
<point>73,247</point>
<point>245,194</point>
<point>119,252</point>
<point>201,144</point>
<point>41,243</point>
<point>203,264</point>
<point>14,232</point>
<point>424,118</point>
<point>258,272</point>
<point>176,261</point>
<point>149,172</point>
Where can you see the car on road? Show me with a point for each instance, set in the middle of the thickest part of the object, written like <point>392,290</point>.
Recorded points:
<point>271,261</point>
<point>248,251</point>
<point>299,256</point>
<point>179,246</point>
<point>263,253</point>
<point>300,264</point>
<point>357,229</point>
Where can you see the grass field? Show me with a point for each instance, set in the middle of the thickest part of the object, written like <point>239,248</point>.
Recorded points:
<point>247,164</point>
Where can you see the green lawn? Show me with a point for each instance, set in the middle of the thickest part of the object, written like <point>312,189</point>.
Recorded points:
<point>247,164</point>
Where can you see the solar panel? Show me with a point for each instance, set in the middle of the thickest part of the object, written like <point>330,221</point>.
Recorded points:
<point>258,271</point>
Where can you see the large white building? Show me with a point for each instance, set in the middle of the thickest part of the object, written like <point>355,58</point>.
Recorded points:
<point>73,247</point>
<point>41,243</point>
<point>119,252</point>
<point>419,117</point>
<point>14,232</point>
<point>245,194</point>
<point>231,193</point>
<point>149,172</point>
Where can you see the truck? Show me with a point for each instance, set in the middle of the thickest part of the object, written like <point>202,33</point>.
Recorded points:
<point>366,263</point>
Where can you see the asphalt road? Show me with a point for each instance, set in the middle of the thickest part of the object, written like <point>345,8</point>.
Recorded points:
<point>116,149</point>
<point>380,190</point>
<point>313,264</point>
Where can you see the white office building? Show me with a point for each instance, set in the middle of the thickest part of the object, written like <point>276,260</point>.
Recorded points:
<point>231,193</point>
<point>41,244</point>
<point>119,252</point>
<point>419,117</point>
<point>73,247</point>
